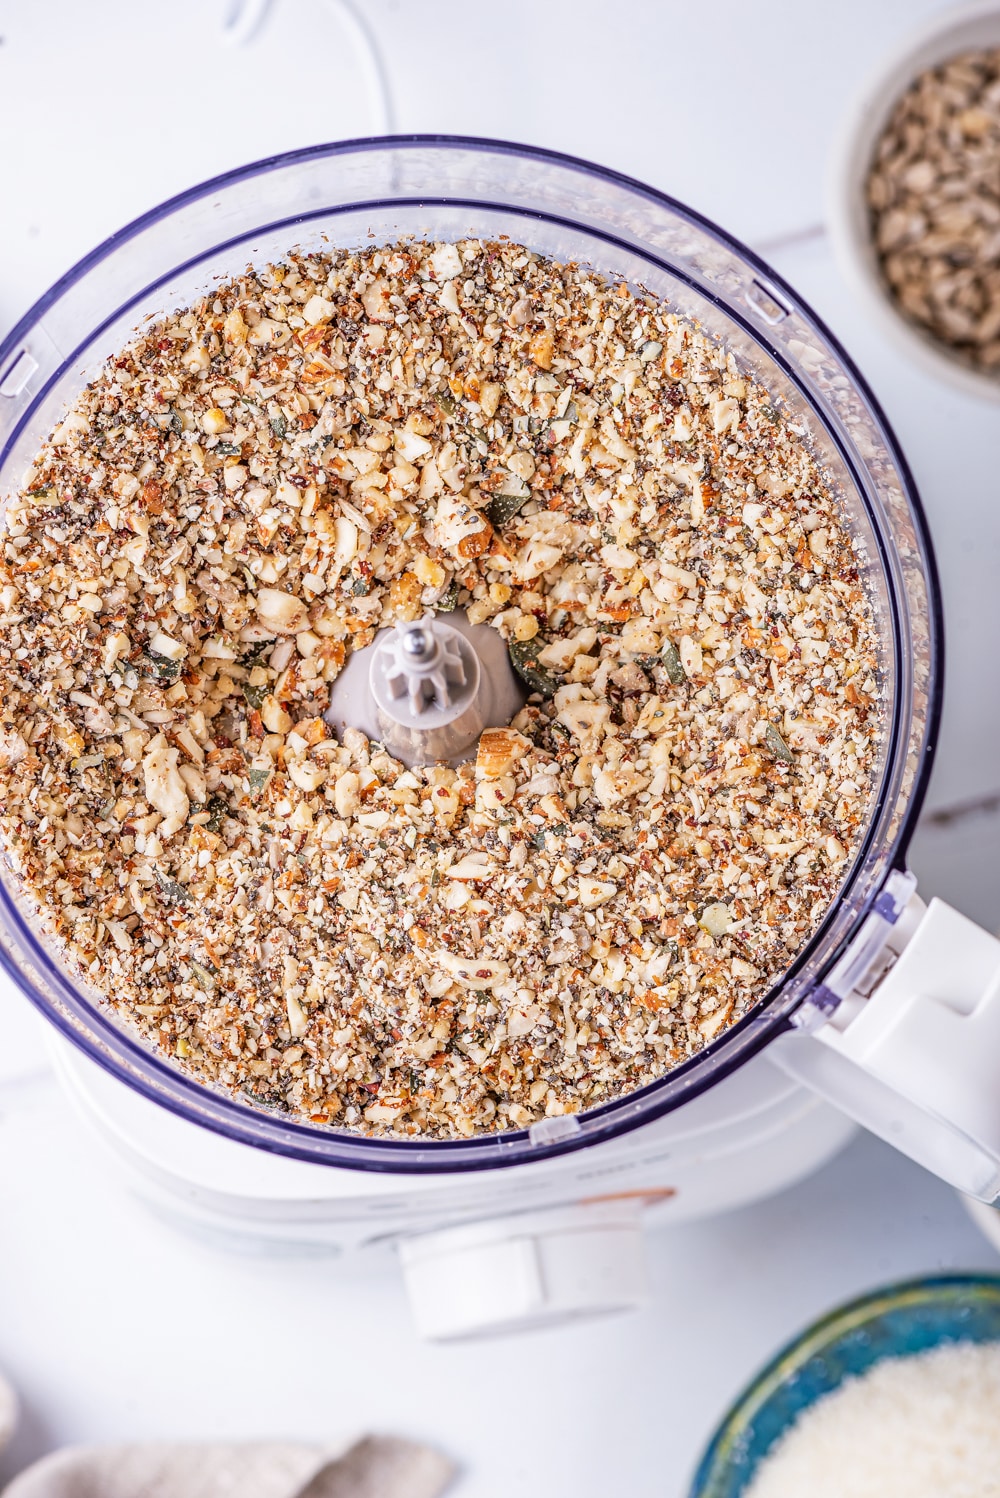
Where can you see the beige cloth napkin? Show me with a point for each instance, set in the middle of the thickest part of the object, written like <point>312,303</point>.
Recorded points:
<point>377,1467</point>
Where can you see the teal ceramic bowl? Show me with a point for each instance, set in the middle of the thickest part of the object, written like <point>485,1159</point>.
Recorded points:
<point>891,1323</point>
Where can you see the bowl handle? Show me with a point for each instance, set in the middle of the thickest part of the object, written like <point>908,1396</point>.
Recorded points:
<point>915,1056</point>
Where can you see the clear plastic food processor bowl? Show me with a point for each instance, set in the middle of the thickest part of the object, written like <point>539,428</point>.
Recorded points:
<point>367,191</point>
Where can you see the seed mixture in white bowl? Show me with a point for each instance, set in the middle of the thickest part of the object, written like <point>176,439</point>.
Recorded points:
<point>913,196</point>
<point>318,449</point>
<point>934,196</point>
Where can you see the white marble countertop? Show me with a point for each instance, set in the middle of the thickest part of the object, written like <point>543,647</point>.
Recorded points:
<point>114,1326</point>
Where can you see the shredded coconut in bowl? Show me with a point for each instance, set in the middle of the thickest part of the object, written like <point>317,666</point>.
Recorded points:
<point>915,1426</point>
<point>254,487</point>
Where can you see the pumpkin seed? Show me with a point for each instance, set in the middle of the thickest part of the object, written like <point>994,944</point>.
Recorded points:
<point>524,658</point>
<point>175,893</point>
<point>161,667</point>
<point>449,598</point>
<point>218,810</point>
<point>671,658</point>
<point>777,745</point>
<point>503,507</point>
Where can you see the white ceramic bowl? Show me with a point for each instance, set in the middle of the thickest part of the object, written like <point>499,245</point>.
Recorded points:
<point>957,29</point>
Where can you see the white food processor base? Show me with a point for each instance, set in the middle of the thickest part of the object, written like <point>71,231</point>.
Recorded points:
<point>482,1252</point>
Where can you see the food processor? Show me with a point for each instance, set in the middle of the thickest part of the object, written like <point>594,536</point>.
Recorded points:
<point>888,1016</point>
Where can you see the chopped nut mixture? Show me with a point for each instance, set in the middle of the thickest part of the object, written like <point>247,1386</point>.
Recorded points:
<point>251,489</point>
<point>934,195</point>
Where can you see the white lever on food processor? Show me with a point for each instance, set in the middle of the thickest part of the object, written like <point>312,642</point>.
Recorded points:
<point>904,1037</point>
<point>427,689</point>
<point>528,1269</point>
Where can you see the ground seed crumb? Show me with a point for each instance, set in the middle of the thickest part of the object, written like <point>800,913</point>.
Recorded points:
<point>253,488</point>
